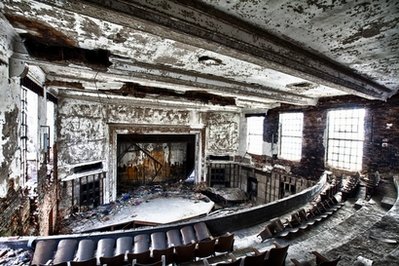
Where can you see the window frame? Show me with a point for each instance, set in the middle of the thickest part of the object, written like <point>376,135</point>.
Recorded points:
<point>345,141</point>
<point>286,139</point>
<point>257,135</point>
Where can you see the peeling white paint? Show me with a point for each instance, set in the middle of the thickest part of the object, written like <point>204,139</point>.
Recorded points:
<point>223,133</point>
<point>157,51</point>
<point>7,34</point>
<point>10,100</point>
<point>335,29</point>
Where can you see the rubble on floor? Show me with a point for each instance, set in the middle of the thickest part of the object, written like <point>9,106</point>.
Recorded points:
<point>13,257</point>
<point>124,210</point>
<point>227,194</point>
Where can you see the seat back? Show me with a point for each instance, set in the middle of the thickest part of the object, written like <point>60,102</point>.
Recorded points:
<point>85,251</point>
<point>57,264</point>
<point>295,219</point>
<point>141,243</point>
<point>89,262</point>
<point>113,261</point>
<point>255,260</point>
<point>157,263</point>
<point>143,257</point>
<point>184,253</point>
<point>205,248</point>
<point>225,243</point>
<point>234,263</point>
<point>276,256</point>
<point>174,238</point>
<point>158,240</point>
<point>105,247</point>
<point>167,253</point>
<point>188,235</point>
<point>44,251</point>
<point>201,231</point>
<point>123,244</point>
<point>276,226</point>
<point>265,233</point>
<point>65,250</point>
<point>302,214</point>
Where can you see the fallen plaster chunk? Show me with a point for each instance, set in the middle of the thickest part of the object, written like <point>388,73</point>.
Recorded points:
<point>362,261</point>
<point>388,202</point>
<point>228,194</point>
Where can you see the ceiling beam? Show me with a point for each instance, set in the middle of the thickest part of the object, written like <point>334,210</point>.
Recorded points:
<point>123,71</point>
<point>230,36</point>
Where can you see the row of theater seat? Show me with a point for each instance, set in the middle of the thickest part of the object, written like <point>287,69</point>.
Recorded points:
<point>174,246</point>
<point>275,256</point>
<point>322,207</point>
<point>350,186</point>
<point>321,260</point>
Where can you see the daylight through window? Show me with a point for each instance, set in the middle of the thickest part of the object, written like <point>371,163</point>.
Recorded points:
<point>255,134</point>
<point>345,139</point>
<point>291,136</point>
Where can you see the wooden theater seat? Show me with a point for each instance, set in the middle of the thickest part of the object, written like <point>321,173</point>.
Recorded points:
<point>141,243</point>
<point>105,247</point>
<point>225,243</point>
<point>320,260</point>
<point>89,262</point>
<point>276,256</point>
<point>205,248</point>
<point>158,240</point>
<point>184,253</point>
<point>44,251</point>
<point>123,245</point>
<point>188,235</point>
<point>166,253</point>
<point>323,261</point>
<point>265,233</point>
<point>234,262</point>
<point>66,249</point>
<point>85,250</point>
<point>201,231</point>
<point>143,257</point>
<point>174,238</point>
<point>157,263</point>
<point>257,259</point>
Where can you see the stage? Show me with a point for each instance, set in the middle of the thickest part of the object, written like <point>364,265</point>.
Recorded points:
<point>156,211</point>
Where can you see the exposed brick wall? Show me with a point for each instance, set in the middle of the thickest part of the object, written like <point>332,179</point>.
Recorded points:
<point>15,212</point>
<point>312,162</point>
<point>47,203</point>
<point>382,149</point>
<point>377,156</point>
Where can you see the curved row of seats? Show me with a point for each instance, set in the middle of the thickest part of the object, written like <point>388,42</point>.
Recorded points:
<point>321,260</point>
<point>321,208</point>
<point>276,256</point>
<point>174,246</point>
<point>350,186</point>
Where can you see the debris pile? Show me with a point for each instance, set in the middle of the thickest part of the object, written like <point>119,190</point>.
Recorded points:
<point>13,257</point>
<point>126,201</point>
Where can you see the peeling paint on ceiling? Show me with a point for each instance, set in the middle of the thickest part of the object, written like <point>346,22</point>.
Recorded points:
<point>363,35</point>
<point>224,48</point>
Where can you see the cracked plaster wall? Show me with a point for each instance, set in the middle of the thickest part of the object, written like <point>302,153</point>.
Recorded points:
<point>223,133</point>
<point>85,132</point>
<point>9,114</point>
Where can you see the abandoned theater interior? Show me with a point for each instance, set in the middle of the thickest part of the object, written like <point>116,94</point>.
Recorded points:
<point>199,132</point>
